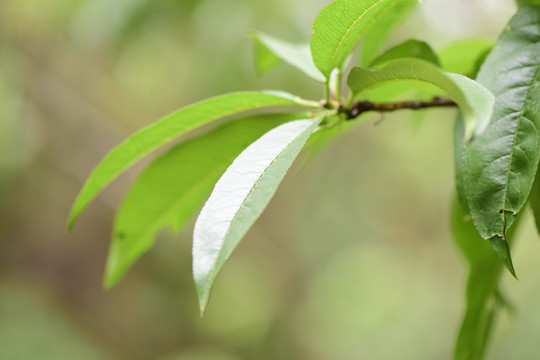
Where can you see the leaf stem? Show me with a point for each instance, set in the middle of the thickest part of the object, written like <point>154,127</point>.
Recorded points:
<point>327,92</point>
<point>335,85</point>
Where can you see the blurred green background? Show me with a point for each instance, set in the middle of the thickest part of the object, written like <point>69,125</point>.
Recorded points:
<point>353,259</point>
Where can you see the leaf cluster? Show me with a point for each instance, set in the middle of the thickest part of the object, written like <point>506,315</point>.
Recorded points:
<point>233,169</point>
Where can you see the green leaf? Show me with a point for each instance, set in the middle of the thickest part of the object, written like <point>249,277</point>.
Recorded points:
<point>534,202</point>
<point>379,31</point>
<point>408,49</point>
<point>483,301</point>
<point>240,196</point>
<point>500,165</point>
<point>167,129</point>
<point>475,102</point>
<point>264,59</point>
<point>459,148</point>
<point>338,28</point>
<point>463,56</point>
<point>525,2</point>
<point>171,189</point>
<point>297,55</point>
<point>323,136</point>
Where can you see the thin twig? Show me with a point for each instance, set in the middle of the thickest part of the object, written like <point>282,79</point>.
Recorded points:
<point>360,107</point>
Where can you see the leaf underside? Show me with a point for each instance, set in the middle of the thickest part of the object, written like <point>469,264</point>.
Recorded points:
<point>239,198</point>
<point>500,165</point>
<point>171,189</point>
<point>475,102</point>
<point>296,55</point>
<point>167,129</point>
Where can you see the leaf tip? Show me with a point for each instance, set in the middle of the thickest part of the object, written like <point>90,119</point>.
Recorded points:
<point>203,295</point>
<point>500,245</point>
<point>111,278</point>
<point>72,218</point>
<point>107,283</point>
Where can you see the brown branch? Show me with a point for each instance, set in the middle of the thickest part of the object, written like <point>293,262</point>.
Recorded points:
<point>360,107</point>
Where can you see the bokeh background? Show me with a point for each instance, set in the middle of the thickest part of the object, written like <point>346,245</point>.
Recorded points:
<point>353,259</point>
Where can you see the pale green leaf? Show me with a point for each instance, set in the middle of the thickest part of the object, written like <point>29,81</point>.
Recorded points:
<point>377,34</point>
<point>408,49</point>
<point>240,196</point>
<point>167,129</point>
<point>338,28</point>
<point>171,189</point>
<point>464,56</point>
<point>264,59</point>
<point>297,55</point>
<point>500,165</point>
<point>475,102</point>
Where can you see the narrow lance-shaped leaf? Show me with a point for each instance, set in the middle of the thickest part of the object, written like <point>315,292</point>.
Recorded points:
<point>240,196</point>
<point>378,32</point>
<point>475,102</point>
<point>167,129</point>
<point>172,188</point>
<point>297,55</point>
<point>338,28</point>
<point>500,165</point>
<point>482,294</point>
<point>408,49</point>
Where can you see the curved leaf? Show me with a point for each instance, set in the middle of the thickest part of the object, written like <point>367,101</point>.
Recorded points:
<point>338,28</point>
<point>408,49</point>
<point>167,129</point>
<point>475,102</point>
<point>171,189</point>
<point>377,34</point>
<point>297,55</point>
<point>240,196</point>
<point>501,164</point>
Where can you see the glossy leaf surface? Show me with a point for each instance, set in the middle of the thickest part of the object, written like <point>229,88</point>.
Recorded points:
<point>500,165</point>
<point>173,187</point>
<point>408,49</point>
<point>475,102</point>
<point>338,28</point>
<point>297,55</point>
<point>376,35</point>
<point>240,196</point>
<point>167,129</point>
